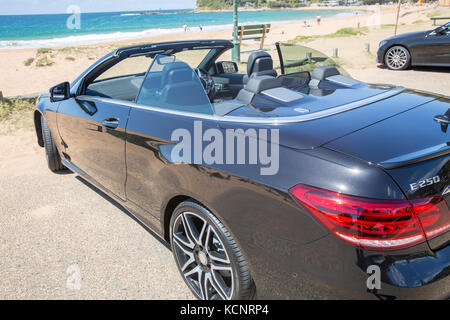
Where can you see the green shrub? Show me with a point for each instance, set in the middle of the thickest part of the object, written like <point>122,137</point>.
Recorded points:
<point>28,62</point>
<point>12,106</point>
<point>44,62</point>
<point>43,51</point>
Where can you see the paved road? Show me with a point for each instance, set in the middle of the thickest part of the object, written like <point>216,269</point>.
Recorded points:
<point>51,225</point>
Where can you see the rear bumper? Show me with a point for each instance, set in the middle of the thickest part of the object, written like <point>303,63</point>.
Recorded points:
<point>329,269</point>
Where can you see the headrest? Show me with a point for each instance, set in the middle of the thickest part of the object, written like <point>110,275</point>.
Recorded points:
<point>176,72</point>
<point>261,83</point>
<point>259,61</point>
<point>323,72</point>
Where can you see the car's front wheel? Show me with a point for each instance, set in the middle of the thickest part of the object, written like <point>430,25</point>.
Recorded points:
<point>52,155</point>
<point>208,258</point>
<point>397,58</point>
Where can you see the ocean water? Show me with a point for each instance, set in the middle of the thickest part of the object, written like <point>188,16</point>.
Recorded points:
<point>32,31</point>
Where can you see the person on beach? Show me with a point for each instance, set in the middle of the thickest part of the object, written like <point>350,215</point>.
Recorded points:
<point>200,27</point>
<point>185,28</point>
<point>318,20</point>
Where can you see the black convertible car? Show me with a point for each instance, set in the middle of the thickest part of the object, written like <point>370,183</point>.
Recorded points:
<point>266,184</point>
<point>424,48</point>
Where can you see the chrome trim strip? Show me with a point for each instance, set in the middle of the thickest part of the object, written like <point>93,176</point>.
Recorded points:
<point>417,156</point>
<point>72,167</point>
<point>446,191</point>
<point>269,121</point>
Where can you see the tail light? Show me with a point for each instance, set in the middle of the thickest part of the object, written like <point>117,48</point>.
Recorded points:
<point>433,214</point>
<point>372,223</point>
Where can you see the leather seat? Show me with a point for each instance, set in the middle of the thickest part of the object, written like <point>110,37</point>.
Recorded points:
<point>180,86</point>
<point>260,63</point>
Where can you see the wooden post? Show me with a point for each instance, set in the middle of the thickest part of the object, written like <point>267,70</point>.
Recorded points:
<point>2,99</point>
<point>398,14</point>
<point>263,37</point>
<point>335,52</point>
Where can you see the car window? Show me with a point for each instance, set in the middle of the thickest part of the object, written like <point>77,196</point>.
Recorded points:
<point>122,81</point>
<point>192,57</point>
<point>172,84</point>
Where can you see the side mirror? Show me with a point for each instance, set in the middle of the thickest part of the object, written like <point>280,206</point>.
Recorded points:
<point>226,67</point>
<point>60,92</point>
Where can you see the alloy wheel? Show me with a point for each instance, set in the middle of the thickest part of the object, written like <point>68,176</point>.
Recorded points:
<point>397,58</point>
<point>202,257</point>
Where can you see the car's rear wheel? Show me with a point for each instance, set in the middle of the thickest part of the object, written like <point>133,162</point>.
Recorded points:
<point>207,257</point>
<point>397,58</point>
<point>53,158</point>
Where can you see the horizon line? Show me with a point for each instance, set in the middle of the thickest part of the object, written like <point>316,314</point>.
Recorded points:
<point>55,13</point>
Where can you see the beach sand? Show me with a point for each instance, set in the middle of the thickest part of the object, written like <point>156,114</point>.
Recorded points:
<point>67,63</point>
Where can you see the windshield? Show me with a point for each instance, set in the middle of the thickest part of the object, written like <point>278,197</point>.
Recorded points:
<point>172,84</point>
<point>193,57</point>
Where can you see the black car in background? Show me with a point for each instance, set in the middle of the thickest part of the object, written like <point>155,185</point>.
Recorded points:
<point>300,185</point>
<point>424,48</point>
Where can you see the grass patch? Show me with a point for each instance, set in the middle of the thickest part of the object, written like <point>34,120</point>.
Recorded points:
<point>66,50</point>
<point>344,32</point>
<point>70,58</point>
<point>43,51</point>
<point>16,114</point>
<point>435,13</point>
<point>44,62</point>
<point>11,107</point>
<point>28,62</point>
<point>347,32</point>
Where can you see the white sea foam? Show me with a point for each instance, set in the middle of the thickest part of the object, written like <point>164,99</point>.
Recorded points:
<point>100,38</point>
<point>117,36</point>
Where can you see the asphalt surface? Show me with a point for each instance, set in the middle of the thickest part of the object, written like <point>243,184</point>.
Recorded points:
<point>54,225</point>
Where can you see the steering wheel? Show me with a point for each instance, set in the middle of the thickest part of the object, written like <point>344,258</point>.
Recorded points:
<point>207,82</point>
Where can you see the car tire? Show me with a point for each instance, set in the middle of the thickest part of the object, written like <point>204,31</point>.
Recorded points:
<point>53,159</point>
<point>207,256</point>
<point>397,58</point>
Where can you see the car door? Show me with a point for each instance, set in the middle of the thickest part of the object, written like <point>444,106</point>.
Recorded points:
<point>93,134</point>
<point>93,125</point>
<point>434,49</point>
<point>170,90</point>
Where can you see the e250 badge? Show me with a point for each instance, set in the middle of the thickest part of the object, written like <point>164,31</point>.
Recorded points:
<point>424,183</point>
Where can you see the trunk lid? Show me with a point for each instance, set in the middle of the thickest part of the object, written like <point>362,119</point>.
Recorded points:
<point>413,147</point>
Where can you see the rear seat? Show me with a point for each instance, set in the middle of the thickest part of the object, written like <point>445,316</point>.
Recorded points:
<point>329,77</point>
<point>256,85</point>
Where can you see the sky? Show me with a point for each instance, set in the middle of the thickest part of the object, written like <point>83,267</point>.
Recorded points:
<point>60,6</point>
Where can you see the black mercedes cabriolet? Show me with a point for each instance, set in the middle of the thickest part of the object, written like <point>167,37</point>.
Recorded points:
<point>422,48</point>
<point>286,181</point>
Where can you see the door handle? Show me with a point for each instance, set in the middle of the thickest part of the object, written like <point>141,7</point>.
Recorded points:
<point>111,123</point>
